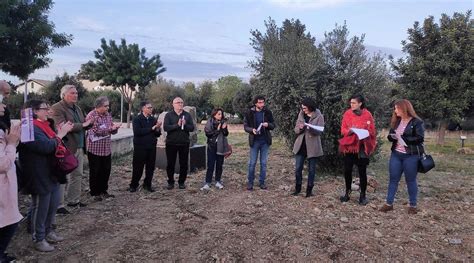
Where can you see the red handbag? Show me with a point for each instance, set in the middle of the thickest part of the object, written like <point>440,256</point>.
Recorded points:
<point>65,162</point>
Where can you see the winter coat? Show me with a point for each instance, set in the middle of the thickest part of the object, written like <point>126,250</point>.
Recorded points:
<point>311,136</point>
<point>216,139</point>
<point>250,123</point>
<point>350,143</point>
<point>144,137</point>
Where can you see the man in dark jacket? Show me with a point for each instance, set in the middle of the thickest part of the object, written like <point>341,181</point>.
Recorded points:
<point>258,122</point>
<point>177,124</point>
<point>145,131</point>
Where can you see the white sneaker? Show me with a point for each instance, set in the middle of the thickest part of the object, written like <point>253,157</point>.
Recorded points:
<point>219,185</point>
<point>43,246</point>
<point>52,237</point>
<point>206,187</point>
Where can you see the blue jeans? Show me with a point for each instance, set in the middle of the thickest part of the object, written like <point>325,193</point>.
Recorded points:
<point>299,164</point>
<point>43,211</point>
<point>408,165</point>
<point>214,160</point>
<point>262,147</point>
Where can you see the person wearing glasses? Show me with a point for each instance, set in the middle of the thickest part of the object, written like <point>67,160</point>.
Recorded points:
<point>307,144</point>
<point>258,122</point>
<point>41,183</point>
<point>178,124</point>
<point>99,151</point>
<point>357,150</point>
<point>146,129</point>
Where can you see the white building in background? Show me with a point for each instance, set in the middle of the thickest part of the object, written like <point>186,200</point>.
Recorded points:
<point>33,85</point>
<point>94,85</point>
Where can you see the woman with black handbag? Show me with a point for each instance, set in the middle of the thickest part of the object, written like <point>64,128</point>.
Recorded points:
<point>37,158</point>
<point>407,135</point>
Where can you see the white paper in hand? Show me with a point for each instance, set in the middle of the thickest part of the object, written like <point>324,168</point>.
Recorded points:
<point>315,127</point>
<point>27,128</point>
<point>259,127</point>
<point>361,133</point>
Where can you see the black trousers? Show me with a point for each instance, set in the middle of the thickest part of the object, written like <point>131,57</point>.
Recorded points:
<point>349,161</point>
<point>141,158</point>
<point>6,235</point>
<point>99,173</point>
<point>171,152</point>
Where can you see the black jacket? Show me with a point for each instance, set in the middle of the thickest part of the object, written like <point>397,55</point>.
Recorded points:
<point>250,123</point>
<point>36,159</point>
<point>6,118</point>
<point>143,135</point>
<point>175,134</point>
<point>413,136</point>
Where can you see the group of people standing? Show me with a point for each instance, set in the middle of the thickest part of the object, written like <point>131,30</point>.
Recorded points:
<point>64,122</point>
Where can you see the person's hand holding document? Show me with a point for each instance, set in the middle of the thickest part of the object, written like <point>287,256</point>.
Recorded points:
<point>259,128</point>
<point>361,133</point>
<point>315,127</point>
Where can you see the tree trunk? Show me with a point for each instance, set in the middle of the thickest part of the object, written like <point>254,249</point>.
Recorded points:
<point>129,113</point>
<point>443,124</point>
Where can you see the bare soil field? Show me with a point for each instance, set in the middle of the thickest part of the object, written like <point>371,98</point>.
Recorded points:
<point>236,225</point>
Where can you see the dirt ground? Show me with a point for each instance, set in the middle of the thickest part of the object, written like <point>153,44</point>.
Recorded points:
<point>237,225</point>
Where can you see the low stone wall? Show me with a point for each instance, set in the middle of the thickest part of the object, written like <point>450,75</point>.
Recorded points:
<point>121,144</point>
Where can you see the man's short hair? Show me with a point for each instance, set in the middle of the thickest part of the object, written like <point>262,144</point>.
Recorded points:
<point>257,98</point>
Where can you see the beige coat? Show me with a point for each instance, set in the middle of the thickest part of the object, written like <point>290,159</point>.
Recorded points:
<point>312,137</point>
<point>62,113</point>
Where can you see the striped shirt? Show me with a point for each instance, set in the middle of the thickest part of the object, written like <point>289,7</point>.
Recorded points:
<point>399,131</point>
<point>98,137</point>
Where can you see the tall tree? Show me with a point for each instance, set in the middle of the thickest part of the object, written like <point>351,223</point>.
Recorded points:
<point>438,72</point>
<point>205,94</point>
<point>162,92</point>
<point>124,67</point>
<point>224,92</point>
<point>347,69</point>
<point>286,57</point>
<point>27,37</point>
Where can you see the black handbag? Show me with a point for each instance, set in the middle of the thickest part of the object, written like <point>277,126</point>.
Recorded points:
<point>425,162</point>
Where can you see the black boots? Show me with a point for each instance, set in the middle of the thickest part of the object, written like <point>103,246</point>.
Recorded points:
<point>309,191</point>
<point>363,199</point>
<point>346,197</point>
<point>297,189</point>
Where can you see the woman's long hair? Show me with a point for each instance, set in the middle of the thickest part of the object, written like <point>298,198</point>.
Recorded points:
<point>404,106</point>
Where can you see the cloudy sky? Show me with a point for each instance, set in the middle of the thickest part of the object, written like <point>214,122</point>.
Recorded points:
<point>206,39</point>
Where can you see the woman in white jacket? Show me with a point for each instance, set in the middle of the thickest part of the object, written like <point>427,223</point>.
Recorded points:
<point>9,213</point>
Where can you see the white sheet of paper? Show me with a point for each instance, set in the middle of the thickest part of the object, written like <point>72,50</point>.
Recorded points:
<point>27,127</point>
<point>361,133</point>
<point>259,127</point>
<point>401,141</point>
<point>315,127</point>
<point>98,138</point>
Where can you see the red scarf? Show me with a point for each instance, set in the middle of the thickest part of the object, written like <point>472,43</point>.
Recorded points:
<point>44,126</point>
<point>350,143</point>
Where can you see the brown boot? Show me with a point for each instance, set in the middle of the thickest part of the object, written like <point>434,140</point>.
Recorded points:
<point>385,208</point>
<point>412,210</point>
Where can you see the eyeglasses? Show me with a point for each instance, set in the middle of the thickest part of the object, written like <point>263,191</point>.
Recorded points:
<point>44,108</point>
<point>106,106</point>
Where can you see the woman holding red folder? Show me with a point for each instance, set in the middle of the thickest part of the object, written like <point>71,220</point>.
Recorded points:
<point>357,151</point>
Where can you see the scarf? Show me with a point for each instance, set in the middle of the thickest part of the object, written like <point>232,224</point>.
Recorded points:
<point>350,143</point>
<point>45,127</point>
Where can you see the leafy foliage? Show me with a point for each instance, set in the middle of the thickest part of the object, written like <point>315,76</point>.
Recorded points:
<point>438,73</point>
<point>52,92</point>
<point>224,93</point>
<point>125,67</point>
<point>27,37</point>
<point>290,66</point>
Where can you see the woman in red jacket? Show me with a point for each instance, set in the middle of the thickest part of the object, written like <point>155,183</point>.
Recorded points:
<point>357,146</point>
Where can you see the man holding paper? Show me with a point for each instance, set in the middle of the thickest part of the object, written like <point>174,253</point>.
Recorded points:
<point>258,122</point>
<point>357,144</point>
<point>177,124</point>
<point>309,127</point>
